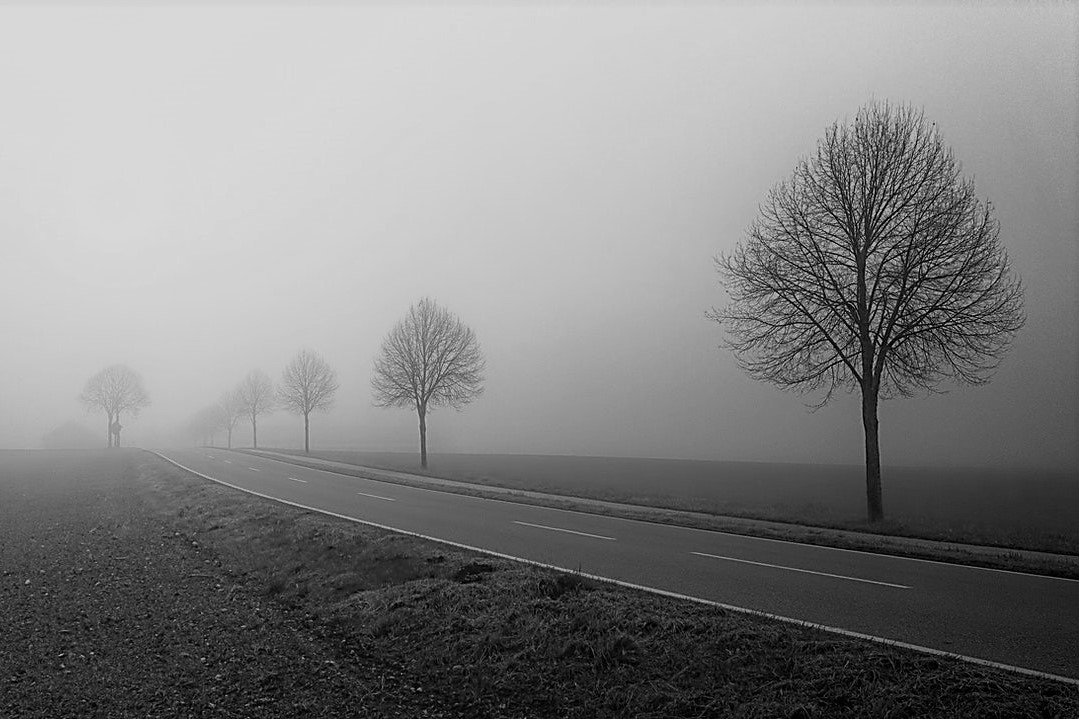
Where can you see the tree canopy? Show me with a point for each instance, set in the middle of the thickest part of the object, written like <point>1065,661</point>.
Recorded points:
<point>308,384</point>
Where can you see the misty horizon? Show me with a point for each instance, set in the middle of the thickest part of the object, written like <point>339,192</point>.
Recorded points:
<point>201,192</point>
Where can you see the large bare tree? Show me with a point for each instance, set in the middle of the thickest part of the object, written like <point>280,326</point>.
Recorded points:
<point>115,390</point>
<point>231,406</point>
<point>429,359</point>
<point>307,385</point>
<point>874,268</point>
<point>256,394</point>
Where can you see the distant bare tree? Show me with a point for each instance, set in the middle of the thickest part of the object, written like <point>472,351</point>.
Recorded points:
<point>307,384</point>
<point>256,394</point>
<point>115,390</point>
<point>231,407</point>
<point>206,423</point>
<point>429,359</point>
<point>874,268</point>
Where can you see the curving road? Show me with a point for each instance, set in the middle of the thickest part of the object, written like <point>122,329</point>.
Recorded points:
<point>1024,621</point>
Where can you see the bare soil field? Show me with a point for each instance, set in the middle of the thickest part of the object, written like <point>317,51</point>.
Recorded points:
<point>131,588</point>
<point>1018,509</point>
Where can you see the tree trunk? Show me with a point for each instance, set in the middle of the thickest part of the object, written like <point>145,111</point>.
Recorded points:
<point>870,388</point>
<point>422,411</point>
<point>306,433</point>
<point>254,433</point>
<point>117,430</point>
<point>230,437</point>
<point>108,429</point>
<point>873,497</point>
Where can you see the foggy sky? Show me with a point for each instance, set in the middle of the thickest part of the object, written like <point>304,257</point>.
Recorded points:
<point>197,192</point>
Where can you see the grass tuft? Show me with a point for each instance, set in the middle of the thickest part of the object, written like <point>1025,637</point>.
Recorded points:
<point>559,585</point>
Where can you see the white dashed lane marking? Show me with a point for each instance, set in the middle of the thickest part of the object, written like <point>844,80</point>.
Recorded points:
<point>567,531</point>
<point>804,571</point>
<point>304,481</point>
<point>375,496</point>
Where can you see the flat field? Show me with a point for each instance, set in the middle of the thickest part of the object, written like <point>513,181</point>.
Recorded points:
<point>1031,509</point>
<point>131,588</point>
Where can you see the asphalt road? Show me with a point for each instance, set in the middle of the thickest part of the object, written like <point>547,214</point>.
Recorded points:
<point>1022,620</point>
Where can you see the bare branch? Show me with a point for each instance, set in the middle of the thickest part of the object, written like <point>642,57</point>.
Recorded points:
<point>232,408</point>
<point>308,384</point>
<point>256,397</point>
<point>429,359</point>
<point>875,265</point>
<point>256,394</point>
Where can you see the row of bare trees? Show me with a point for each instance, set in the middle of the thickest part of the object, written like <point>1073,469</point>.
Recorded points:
<point>307,385</point>
<point>874,269</point>
<point>429,359</point>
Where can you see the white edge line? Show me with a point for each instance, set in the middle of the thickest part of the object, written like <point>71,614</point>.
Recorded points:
<point>567,531</point>
<point>652,590</point>
<point>804,571</point>
<point>570,498</point>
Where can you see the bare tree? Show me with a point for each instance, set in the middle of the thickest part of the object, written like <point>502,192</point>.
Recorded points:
<point>429,359</point>
<point>205,424</point>
<point>115,390</point>
<point>231,407</point>
<point>307,384</point>
<point>256,396</point>
<point>873,268</point>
